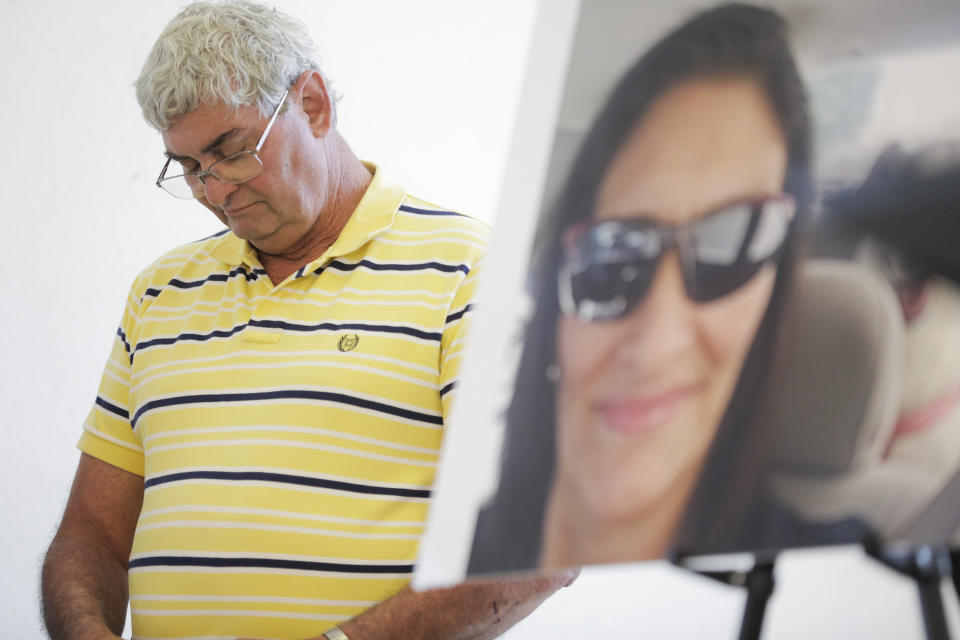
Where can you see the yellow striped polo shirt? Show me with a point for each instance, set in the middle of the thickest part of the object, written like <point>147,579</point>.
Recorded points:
<point>288,435</point>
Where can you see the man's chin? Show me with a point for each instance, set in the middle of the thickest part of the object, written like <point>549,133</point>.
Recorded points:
<point>245,230</point>
<point>263,240</point>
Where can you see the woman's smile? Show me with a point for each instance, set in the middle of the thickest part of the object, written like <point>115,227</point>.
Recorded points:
<point>637,414</point>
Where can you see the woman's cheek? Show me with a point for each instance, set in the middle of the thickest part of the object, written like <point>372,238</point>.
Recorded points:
<point>580,351</point>
<point>729,325</point>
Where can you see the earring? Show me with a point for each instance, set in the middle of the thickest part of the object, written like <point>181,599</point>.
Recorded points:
<point>553,372</point>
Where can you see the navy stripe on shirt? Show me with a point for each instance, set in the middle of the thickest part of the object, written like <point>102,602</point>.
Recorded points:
<point>428,212</point>
<point>287,394</point>
<point>267,563</point>
<point>112,408</point>
<point>418,266</point>
<point>456,315</point>
<point>287,478</point>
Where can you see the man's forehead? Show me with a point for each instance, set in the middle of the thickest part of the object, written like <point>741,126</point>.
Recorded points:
<point>207,127</point>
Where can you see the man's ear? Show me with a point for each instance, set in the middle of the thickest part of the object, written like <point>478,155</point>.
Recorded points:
<point>316,103</point>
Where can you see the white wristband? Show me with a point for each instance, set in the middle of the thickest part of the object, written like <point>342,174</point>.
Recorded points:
<point>335,634</point>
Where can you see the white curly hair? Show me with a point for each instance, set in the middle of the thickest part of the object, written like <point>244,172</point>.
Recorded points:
<point>235,52</point>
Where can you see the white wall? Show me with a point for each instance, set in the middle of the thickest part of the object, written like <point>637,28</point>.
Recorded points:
<point>430,89</point>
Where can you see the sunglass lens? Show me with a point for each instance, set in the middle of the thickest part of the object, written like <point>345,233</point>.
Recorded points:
<point>609,290</point>
<point>732,245</point>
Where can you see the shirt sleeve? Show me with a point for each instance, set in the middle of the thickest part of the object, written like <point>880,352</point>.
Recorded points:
<point>107,434</point>
<point>454,337</point>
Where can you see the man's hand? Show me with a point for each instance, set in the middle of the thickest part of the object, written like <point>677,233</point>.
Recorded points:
<point>471,611</point>
<point>84,580</point>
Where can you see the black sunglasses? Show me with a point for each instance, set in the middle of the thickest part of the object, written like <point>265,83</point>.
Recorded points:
<point>608,267</point>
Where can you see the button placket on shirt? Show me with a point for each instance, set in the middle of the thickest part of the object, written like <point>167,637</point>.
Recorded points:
<point>264,308</point>
<point>270,309</point>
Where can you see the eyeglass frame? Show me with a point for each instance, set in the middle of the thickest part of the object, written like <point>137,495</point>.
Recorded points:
<point>672,237</point>
<point>209,171</point>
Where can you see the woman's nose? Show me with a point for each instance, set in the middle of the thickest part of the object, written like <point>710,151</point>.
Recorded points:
<point>662,327</point>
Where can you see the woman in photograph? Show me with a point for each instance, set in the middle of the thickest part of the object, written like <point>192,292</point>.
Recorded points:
<point>659,281</point>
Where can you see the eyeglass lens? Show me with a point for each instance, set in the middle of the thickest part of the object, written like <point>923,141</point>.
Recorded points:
<point>235,169</point>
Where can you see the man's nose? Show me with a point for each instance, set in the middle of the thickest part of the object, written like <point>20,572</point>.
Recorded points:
<point>216,190</point>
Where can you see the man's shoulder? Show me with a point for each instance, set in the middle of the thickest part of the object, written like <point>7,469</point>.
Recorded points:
<point>415,213</point>
<point>188,262</point>
<point>424,232</point>
<point>421,227</point>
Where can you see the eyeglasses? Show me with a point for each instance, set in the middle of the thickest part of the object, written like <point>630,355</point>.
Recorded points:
<point>608,267</point>
<point>236,168</point>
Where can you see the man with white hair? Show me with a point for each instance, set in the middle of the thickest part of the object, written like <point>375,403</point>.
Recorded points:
<point>259,458</point>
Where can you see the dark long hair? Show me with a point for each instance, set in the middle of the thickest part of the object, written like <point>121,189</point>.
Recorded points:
<point>736,41</point>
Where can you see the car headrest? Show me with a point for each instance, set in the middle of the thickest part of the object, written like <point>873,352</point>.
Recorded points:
<point>835,385</point>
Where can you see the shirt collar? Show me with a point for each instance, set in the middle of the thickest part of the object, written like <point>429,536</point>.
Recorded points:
<point>374,213</point>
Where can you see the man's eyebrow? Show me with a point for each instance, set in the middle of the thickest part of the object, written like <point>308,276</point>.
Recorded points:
<point>172,156</point>
<point>219,140</point>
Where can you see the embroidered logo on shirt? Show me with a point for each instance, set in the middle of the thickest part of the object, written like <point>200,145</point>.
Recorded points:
<point>348,342</point>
